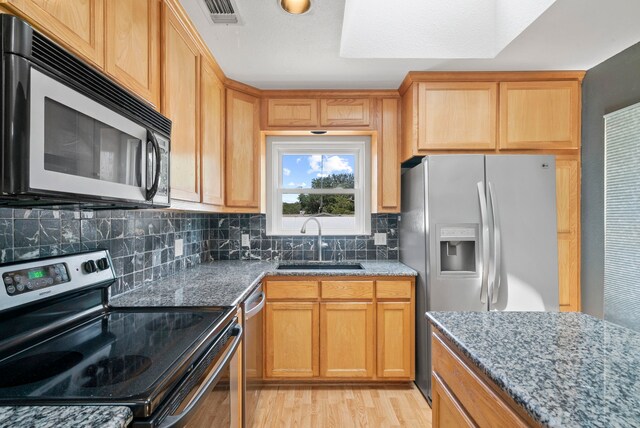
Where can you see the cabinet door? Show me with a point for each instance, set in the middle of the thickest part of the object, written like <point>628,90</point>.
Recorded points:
<point>77,24</point>
<point>347,346</point>
<point>292,112</point>
<point>291,339</point>
<point>389,156</point>
<point>457,115</point>
<point>132,39</point>
<point>568,208</point>
<point>540,115</point>
<point>212,134</point>
<point>180,103</point>
<point>395,339</point>
<point>447,411</point>
<point>344,112</point>
<point>242,154</point>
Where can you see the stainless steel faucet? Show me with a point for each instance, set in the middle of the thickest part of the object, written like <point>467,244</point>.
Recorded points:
<point>304,230</point>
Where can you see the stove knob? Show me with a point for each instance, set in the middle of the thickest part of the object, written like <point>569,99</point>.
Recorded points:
<point>18,278</point>
<point>11,289</point>
<point>20,287</point>
<point>89,266</point>
<point>8,280</point>
<point>103,263</point>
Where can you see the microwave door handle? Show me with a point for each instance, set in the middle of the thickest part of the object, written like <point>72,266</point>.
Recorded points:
<point>177,420</point>
<point>151,192</point>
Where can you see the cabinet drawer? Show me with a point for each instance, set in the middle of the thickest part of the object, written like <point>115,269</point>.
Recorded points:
<point>292,290</point>
<point>483,405</point>
<point>347,290</point>
<point>393,289</point>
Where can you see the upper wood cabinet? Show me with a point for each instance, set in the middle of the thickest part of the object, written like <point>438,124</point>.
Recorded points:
<point>212,116</point>
<point>344,112</point>
<point>180,103</point>
<point>540,115</point>
<point>457,115</point>
<point>568,208</point>
<point>77,24</point>
<point>388,165</point>
<point>242,150</point>
<point>292,112</point>
<point>132,40</point>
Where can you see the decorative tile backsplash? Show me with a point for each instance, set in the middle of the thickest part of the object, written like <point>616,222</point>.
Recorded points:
<point>227,229</point>
<point>142,242</point>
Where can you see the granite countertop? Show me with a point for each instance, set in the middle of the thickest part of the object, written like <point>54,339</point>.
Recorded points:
<point>228,283</point>
<point>565,369</point>
<point>65,416</point>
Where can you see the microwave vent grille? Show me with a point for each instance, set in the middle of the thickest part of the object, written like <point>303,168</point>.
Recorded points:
<point>72,69</point>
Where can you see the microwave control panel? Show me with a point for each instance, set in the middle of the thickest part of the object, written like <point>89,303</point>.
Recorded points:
<point>26,280</point>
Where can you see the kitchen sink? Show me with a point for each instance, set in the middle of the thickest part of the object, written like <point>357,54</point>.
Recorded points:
<point>320,266</point>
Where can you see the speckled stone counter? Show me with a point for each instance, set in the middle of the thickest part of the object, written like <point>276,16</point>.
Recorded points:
<point>65,416</point>
<point>227,283</point>
<point>565,369</point>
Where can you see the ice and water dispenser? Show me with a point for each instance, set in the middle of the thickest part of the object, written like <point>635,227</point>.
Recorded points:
<point>458,249</point>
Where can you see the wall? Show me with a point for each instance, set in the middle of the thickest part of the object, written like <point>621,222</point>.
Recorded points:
<point>142,242</point>
<point>611,85</point>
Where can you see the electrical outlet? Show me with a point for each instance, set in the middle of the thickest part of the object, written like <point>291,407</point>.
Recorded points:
<point>179,244</point>
<point>245,240</point>
<point>379,239</point>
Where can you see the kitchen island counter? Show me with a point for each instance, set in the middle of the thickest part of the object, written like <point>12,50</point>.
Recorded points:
<point>563,369</point>
<point>228,283</point>
<point>65,416</point>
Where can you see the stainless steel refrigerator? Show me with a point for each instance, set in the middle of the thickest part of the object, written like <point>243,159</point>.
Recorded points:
<point>481,232</point>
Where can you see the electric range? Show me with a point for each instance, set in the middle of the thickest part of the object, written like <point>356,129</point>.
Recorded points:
<point>61,343</point>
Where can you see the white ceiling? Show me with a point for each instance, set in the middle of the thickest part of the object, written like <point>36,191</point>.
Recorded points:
<point>274,50</point>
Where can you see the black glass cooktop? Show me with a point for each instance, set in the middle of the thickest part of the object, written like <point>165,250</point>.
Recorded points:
<point>124,354</point>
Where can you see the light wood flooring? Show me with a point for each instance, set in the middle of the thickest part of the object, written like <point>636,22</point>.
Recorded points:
<point>343,406</point>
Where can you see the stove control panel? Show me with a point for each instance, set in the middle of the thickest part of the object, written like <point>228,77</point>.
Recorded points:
<point>33,280</point>
<point>26,280</point>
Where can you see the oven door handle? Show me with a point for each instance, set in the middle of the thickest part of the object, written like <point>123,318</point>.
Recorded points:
<point>175,420</point>
<point>151,192</point>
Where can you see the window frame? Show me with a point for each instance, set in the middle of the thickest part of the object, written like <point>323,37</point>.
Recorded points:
<point>357,146</point>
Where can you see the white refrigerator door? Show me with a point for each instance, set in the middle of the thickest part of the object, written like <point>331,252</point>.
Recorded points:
<point>523,272</point>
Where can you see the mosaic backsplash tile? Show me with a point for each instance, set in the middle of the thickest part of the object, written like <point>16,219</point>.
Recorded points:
<point>142,242</point>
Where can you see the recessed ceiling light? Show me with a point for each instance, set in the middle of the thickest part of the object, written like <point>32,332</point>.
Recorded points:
<point>295,7</point>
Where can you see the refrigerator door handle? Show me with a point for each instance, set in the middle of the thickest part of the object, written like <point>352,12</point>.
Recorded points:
<point>484,225</point>
<point>494,283</point>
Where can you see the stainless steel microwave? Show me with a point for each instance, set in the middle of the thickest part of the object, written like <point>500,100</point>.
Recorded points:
<point>70,135</point>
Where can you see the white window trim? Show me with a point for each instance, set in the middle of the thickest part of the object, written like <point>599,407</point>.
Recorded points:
<point>359,146</point>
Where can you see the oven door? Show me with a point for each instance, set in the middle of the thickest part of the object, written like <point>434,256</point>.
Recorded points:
<point>78,146</point>
<point>212,401</point>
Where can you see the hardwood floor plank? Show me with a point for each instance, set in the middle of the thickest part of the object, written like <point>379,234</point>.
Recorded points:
<point>342,406</point>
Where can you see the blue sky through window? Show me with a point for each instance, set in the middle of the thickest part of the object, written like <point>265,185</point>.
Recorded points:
<point>298,171</point>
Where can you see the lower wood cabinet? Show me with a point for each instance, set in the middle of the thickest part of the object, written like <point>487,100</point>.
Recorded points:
<point>347,339</point>
<point>291,339</point>
<point>346,328</point>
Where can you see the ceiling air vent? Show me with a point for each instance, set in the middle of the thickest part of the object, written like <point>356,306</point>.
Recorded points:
<point>222,11</point>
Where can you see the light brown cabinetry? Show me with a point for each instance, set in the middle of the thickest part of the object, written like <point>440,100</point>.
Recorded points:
<point>365,332</point>
<point>242,150</point>
<point>180,103</point>
<point>292,112</point>
<point>212,136</point>
<point>389,156</point>
<point>457,115</point>
<point>568,206</point>
<point>291,339</point>
<point>347,340</point>
<point>344,112</point>
<point>540,115</point>
<point>462,396</point>
<point>78,24</point>
<point>132,41</point>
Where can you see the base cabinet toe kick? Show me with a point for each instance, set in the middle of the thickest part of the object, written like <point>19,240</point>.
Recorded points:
<point>465,397</point>
<point>339,329</point>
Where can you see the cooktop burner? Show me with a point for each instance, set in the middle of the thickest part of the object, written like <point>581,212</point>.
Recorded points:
<point>110,371</point>
<point>37,367</point>
<point>174,321</point>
